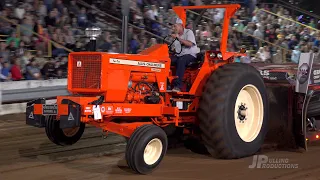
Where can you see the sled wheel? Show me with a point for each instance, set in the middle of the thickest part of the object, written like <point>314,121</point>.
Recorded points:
<point>233,112</point>
<point>146,148</point>
<point>60,136</point>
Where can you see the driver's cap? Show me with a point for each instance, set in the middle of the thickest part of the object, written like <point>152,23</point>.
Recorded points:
<point>175,21</point>
<point>179,21</point>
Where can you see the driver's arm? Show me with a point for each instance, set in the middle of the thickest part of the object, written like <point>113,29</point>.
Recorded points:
<point>190,39</point>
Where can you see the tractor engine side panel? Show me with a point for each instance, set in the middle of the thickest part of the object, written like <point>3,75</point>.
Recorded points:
<point>117,85</point>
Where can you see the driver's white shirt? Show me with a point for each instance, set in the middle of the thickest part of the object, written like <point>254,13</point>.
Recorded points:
<point>193,50</point>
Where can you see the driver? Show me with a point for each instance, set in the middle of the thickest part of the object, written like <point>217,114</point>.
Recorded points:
<point>188,52</point>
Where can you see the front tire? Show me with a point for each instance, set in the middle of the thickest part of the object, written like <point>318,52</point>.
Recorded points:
<point>62,137</point>
<point>233,112</point>
<point>146,148</point>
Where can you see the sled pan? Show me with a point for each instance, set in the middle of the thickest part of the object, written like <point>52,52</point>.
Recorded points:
<point>286,129</point>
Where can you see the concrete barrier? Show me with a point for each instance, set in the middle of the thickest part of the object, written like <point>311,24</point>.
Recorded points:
<point>16,86</point>
<point>13,85</point>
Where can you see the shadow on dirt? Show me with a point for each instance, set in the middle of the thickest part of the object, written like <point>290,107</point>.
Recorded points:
<point>91,145</point>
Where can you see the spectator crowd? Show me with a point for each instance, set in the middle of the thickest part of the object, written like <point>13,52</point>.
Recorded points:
<point>268,38</point>
<point>23,54</point>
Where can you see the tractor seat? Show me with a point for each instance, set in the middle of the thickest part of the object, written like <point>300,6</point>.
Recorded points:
<point>199,60</point>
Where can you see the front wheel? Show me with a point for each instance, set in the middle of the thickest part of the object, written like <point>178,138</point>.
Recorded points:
<point>146,148</point>
<point>233,112</point>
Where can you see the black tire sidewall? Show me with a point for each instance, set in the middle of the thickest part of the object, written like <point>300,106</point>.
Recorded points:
<point>73,139</point>
<point>238,146</point>
<point>140,142</point>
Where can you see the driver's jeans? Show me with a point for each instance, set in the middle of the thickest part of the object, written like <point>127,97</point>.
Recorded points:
<point>181,62</point>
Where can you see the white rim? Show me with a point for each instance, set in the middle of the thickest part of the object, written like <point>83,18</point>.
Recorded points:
<point>248,113</point>
<point>153,151</point>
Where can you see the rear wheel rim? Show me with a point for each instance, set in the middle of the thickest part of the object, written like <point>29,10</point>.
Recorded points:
<point>249,113</point>
<point>153,151</point>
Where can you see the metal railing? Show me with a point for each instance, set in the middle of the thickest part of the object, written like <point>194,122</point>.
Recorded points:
<point>287,5</point>
<point>288,19</point>
<point>22,91</point>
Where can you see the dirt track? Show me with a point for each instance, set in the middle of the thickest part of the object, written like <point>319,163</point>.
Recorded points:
<point>26,153</point>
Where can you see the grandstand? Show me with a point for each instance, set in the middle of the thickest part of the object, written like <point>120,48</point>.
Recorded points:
<point>36,37</point>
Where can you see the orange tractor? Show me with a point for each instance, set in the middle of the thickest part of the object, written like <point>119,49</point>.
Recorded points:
<point>225,103</point>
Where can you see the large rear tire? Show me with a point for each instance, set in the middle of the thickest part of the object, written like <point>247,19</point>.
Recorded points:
<point>233,112</point>
<point>146,148</point>
<point>62,137</point>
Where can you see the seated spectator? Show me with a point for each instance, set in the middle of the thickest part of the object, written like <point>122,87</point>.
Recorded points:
<point>74,8</point>
<point>5,52</point>
<point>12,47</point>
<point>134,44</point>
<point>69,39</point>
<point>42,10</point>
<point>27,27</point>
<point>296,55</point>
<point>246,59</point>
<point>5,71</point>
<point>5,26</point>
<point>277,57</point>
<point>106,46</point>
<point>91,17</point>
<point>2,76</point>
<point>293,42</point>
<point>24,61</point>
<point>15,39</point>
<point>83,18</point>
<point>48,70</point>
<point>39,59</point>
<point>15,70</point>
<point>19,11</point>
<point>21,49</point>
<point>51,19</point>
<point>59,5</point>
<point>144,45</point>
<point>32,71</point>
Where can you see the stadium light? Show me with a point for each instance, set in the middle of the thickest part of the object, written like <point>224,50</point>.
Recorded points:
<point>93,32</point>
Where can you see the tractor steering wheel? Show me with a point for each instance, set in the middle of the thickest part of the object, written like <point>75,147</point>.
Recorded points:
<point>170,45</point>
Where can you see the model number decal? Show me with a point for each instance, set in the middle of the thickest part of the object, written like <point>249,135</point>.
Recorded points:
<point>49,109</point>
<point>136,63</point>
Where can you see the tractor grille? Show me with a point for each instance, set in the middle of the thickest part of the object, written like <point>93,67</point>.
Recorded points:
<point>86,71</point>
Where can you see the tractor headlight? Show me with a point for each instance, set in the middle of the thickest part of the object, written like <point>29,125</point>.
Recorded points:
<point>93,32</point>
<point>219,55</point>
<point>212,55</point>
